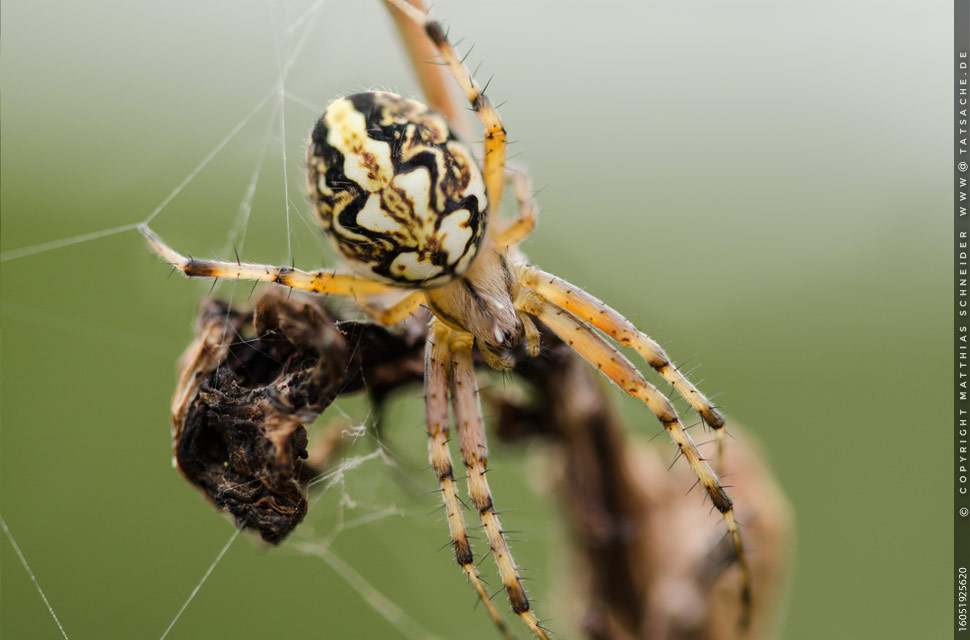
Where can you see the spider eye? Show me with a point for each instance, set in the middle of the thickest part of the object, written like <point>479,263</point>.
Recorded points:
<point>398,194</point>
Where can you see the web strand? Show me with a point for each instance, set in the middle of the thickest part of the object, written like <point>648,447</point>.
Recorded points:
<point>23,561</point>
<point>378,601</point>
<point>309,18</point>
<point>23,252</point>
<point>212,154</point>
<point>311,13</point>
<point>281,95</point>
<point>303,102</point>
<point>85,237</point>
<point>237,236</point>
<point>205,576</point>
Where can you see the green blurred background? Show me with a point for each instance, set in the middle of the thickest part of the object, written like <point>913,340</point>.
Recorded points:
<point>765,185</point>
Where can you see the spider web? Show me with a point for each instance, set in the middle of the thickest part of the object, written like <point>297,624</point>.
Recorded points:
<point>265,121</point>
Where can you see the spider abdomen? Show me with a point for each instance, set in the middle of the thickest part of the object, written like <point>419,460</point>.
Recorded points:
<point>399,195</point>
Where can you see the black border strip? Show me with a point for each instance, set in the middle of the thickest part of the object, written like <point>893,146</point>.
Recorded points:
<point>961,318</point>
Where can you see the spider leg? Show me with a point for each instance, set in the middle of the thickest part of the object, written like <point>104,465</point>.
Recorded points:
<point>596,350</point>
<point>494,168</point>
<point>395,313</point>
<point>533,340</point>
<point>431,76</point>
<point>323,281</point>
<point>597,313</point>
<point>521,227</point>
<point>474,451</point>
<point>436,367</point>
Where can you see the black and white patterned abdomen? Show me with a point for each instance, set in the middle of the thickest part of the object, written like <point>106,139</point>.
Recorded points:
<point>399,195</point>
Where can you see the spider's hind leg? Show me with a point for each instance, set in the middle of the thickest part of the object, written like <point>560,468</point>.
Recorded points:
<point>597,313</point>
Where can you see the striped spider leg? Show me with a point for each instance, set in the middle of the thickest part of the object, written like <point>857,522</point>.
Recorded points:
<point>474,451</point>
<point>595,349</point>
<point>324,281</point>
<point>437,367</point>
<point>600,315</point>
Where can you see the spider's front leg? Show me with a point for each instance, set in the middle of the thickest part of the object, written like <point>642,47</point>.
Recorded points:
<point>586,342</point>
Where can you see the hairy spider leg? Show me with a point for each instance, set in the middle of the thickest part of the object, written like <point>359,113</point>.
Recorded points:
<point>323,281</point>
<point>474,452</point>
<point>494,161</point>
<point>599,314</point>
<point>436,366</point>
<point>596,350</point>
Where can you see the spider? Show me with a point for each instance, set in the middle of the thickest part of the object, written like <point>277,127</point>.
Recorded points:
<point>412,213</point>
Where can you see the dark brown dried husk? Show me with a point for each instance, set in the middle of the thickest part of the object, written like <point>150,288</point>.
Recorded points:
<point>250,382</point>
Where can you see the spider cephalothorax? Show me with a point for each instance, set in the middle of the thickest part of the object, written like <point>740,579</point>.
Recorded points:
<point>409,210</point>
<point>399,195</point>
